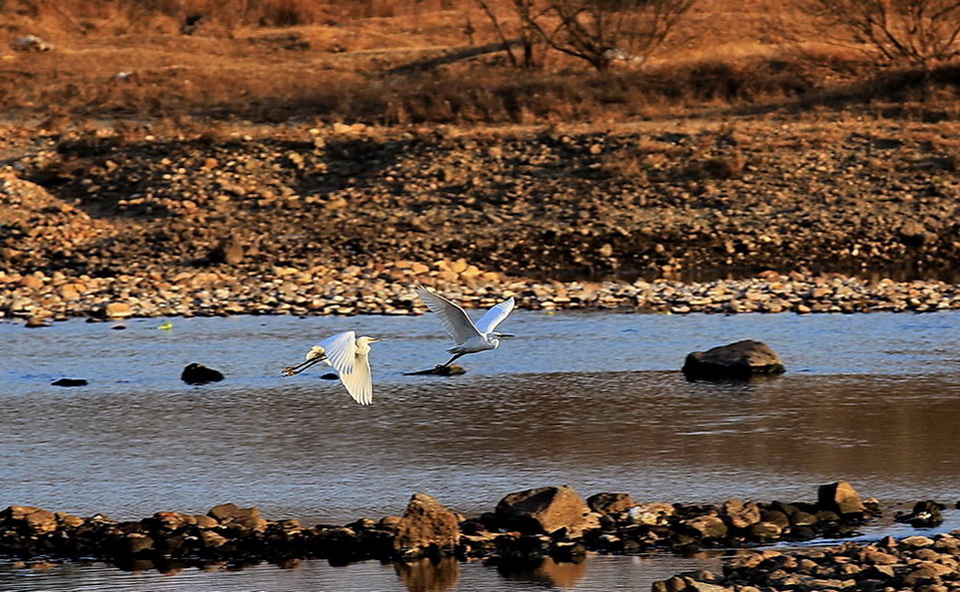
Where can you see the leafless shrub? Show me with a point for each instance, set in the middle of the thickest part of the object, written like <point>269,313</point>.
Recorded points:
<point>600,32</point>
<point>918,32</point>
<point>726,166</point>
<point>630,165</point>
<point>520,43</point>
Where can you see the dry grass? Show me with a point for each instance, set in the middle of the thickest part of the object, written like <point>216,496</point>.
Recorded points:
<point>219,16</point>
<point>952,162</point>
<point>713,154</point>
<point>369,61</point>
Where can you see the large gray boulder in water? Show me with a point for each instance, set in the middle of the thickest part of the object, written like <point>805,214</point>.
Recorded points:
<point>736,360</point>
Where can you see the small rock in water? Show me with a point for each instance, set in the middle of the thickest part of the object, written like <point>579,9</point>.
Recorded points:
<point>925,514</point>
<point>35,323</point>
<point>736,360</point>
<point>608,503</point>
<point>840,497</point>
<point>707,527</point>
<point>740,514</point>
<point>427,524</point>
<point>542,510</point>
<point>199,374</point>
<point>439,370</point>
<point>329,376</point>
<point>69,382</point>
<point>651,514</point>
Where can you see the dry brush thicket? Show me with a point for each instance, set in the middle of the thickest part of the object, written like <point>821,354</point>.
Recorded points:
<point>919,32</point>
<point>390,62</point>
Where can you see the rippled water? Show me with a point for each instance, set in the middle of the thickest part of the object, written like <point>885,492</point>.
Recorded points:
<point>587,399</point>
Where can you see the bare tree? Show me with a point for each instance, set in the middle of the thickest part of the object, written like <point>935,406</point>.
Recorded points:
<point>525,38</point>
<point>603,31</point>
<point>599,32</point>
<point>920,32</point>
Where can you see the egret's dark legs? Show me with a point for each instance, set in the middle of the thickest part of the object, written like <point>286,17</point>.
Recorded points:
<point>291,370</point>
<point>450,361</point>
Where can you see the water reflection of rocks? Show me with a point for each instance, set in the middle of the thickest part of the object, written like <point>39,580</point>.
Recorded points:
<point>563,575</point>
<point>437,575</point>
<point>429,575</point>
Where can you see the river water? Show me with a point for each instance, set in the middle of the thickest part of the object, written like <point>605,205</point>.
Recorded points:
<point>592,400</point>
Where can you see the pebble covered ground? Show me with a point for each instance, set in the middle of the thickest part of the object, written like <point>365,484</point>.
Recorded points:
<point>347,220</point>
<point>39,297</point>
<point>921,563</point>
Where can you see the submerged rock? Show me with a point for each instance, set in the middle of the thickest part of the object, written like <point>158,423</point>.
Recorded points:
<point>736,360</point>
<point>199,374</point>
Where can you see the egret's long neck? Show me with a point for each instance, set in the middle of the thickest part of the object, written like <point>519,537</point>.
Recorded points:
<point>363,346</point>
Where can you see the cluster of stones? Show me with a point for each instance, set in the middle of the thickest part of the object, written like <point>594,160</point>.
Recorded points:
<point>525,526</point>
<point>634,528</point>
<point>187,227</point>
<point>389,289</point>
<point>921,563</point>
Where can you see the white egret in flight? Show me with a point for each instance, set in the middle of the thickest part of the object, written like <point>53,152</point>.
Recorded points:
<point>471,338</point>
<point>348,355</point>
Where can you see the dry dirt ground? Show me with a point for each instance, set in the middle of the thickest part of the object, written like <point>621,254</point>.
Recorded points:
<point>649,200</point>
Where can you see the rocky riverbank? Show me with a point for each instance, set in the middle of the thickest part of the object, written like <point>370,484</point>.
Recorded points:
<point>39,298</point>
<point>525,526</point>
<point>922,563</point>
<point>346,220</point>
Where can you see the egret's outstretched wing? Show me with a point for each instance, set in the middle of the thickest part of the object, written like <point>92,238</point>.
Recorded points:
<point>341,351</point>
<point>453,318</point>
<point>359,383</point>
<point>495,316</point>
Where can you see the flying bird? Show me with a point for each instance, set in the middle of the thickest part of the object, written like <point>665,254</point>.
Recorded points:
<point>349,356</point>
<point>471,338</point>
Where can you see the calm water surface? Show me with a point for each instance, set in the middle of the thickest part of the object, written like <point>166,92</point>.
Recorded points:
<point>586,399</point>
